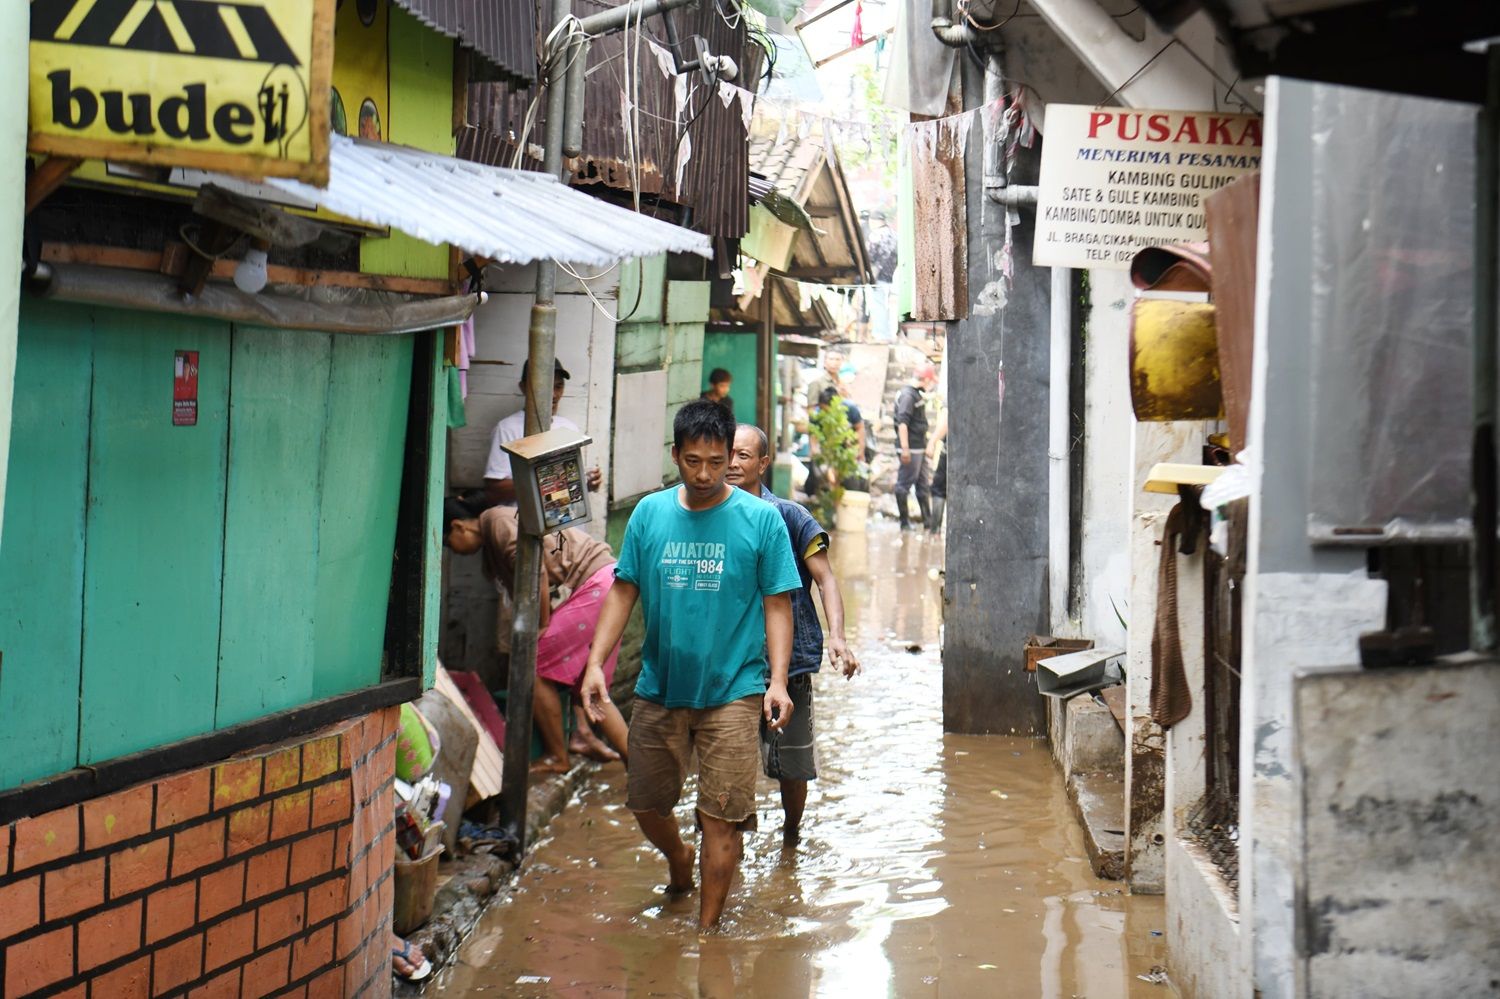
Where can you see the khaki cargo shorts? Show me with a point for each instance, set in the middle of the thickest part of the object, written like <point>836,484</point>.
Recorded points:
<point>727,741</point>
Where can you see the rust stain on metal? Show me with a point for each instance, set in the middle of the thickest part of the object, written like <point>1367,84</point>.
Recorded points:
<point>941,230</point>
<point>1174,362</point>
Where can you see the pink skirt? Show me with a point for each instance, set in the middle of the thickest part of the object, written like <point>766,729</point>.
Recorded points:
<point>562,651</point>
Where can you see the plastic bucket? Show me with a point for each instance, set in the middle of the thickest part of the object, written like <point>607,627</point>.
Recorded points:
<point>416,887</point>
<point>852,512</point>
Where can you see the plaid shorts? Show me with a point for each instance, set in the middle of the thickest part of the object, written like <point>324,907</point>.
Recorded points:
<point>789,754</point>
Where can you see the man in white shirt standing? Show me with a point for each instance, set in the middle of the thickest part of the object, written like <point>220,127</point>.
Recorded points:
<point>499,487</point>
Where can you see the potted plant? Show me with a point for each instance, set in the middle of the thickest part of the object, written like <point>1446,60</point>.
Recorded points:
<point>844,508</point>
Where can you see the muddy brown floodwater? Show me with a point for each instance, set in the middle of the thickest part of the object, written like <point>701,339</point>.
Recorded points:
<point>930,865</point>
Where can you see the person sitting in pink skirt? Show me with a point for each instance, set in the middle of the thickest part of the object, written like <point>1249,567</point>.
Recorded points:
<point>579,572</point>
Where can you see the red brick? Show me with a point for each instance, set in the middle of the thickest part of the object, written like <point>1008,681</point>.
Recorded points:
<point>181,798</point>
<point>46,837</point>
<point>177,965</point>
<point>229,941</point>
<point>249,828</point>
<point>312,952</point>
<point>137,867</point>
<point>330,898</point>
<point>320,758</point>
<point>342,838</point>
<point>4,851</point>
<point>20,906</point>
<point>170,911</point>
<point>312,857</point>
<point>197,846</point>
<point>236,781</point>
<point>289,815</point>
<point>74,888</point>
<point>267,873</point>
<point>221,891</point>
<point>275,921</point>
<point>133,981</point>
<point>329,985</point>
<point>300,992</point>
<point>385,896</point>
<point>117,817</point>
<point>332,803</point>
<point>111,934</point>
<point>38,962</point>
<point>266,973</point>
<point>283,769</point>
<point>348,936</point>
<point>384,763</point>
<point>76,992</point>
<point>225,986</point>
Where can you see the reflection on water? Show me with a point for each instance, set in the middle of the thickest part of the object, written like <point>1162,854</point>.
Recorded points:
<point>931,864</point>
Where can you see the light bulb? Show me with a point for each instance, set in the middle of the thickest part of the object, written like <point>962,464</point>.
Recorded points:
<point>250,275</point>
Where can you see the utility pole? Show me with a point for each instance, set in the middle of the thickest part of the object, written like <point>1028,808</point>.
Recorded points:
<point>541,359</point>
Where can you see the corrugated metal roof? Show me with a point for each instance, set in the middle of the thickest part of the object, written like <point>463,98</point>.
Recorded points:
<point>500,33</point>
<point>715,177</point>
<point>512,216</point>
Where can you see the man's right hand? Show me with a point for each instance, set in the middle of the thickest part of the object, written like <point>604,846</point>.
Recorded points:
<point>595,693</point>
<point>905,456</point>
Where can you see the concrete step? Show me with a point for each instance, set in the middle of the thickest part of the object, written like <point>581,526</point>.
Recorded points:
<point>1098,801</point>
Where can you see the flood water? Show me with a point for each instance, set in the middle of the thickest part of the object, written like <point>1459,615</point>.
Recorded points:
<point>930,865</point>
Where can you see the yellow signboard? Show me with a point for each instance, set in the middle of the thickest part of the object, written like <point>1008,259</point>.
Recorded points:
<point>238,87</point>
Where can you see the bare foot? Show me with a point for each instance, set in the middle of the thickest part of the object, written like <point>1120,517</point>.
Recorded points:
<point>682,871</point>
<point>589,745</point>
<point>550,765</point>
<point>790,838</point>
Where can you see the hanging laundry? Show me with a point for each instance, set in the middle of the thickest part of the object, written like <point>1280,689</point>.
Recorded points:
<point>857,34</point>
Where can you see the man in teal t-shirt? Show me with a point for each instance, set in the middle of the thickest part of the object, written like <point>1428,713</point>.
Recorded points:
<point>714,572</point>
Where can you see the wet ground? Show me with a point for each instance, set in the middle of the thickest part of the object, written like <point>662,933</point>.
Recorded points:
<point>931,864</point>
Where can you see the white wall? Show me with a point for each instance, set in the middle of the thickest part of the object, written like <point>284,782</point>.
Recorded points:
<point>14,25</point>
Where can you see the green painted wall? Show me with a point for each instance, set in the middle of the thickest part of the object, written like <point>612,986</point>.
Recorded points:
<point>421,116</point>
<point>735,353</point>
<point>173,580</point>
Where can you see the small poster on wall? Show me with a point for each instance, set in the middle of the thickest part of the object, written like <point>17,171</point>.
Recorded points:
<point>1117,180</point>
<point>185,389</point>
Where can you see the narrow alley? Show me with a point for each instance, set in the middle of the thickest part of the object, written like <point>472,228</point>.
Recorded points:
<point>931,865</point>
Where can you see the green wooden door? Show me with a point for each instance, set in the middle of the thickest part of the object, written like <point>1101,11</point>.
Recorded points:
<point>41,556</point>
<point>153,562</point>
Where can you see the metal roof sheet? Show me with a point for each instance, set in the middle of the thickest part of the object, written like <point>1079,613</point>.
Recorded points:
<point>511,216</point>
<point>502,33</point>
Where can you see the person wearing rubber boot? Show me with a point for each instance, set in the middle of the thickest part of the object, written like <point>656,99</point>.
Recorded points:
<point>787,756</point>
<point>911,445</point>
<point>714,573</point>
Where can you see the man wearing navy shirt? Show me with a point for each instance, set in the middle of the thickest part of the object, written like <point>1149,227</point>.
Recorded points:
<point>787,755</point>
<point>714,572</point>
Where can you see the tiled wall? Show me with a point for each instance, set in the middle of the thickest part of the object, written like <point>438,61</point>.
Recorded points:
<point>267,874</point>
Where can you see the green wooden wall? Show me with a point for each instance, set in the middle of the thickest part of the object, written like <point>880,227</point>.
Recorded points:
<point>158,582</point>
<point>735,353</point>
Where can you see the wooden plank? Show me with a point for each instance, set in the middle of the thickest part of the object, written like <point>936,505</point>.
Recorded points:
<point>941,225</point>
<point>171,259</point>
<point>368,391</point>
<point>41,562</point>
<point>435,454</point>
<point>155,528</point>
<point>278,400</point>
<point>484,780</point>
<point>1115,698</point>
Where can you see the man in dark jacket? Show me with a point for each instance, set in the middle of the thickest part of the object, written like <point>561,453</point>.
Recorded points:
<point>911,445</point>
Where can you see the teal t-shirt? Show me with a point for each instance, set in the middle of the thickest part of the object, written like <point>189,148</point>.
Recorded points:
<point>702,576</point>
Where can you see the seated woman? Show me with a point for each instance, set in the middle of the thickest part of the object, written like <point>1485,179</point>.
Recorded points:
<point>579,571</point>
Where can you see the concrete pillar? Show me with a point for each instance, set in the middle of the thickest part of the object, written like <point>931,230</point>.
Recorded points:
<point>15,35</point>
<point>996,583</point>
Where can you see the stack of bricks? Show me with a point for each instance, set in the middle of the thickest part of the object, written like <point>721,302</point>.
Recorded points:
<point>267,874</point>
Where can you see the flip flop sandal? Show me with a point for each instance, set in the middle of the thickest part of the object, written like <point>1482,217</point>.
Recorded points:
<point>422,966</point>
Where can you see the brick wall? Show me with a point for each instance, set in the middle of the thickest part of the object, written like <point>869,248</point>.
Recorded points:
<point>266,874</point>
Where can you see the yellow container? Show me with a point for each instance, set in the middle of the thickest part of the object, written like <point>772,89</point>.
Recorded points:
<point>1174,362</point>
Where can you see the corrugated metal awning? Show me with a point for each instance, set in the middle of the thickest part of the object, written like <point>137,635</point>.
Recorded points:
<point>510,216</point>
<point>501,33</point>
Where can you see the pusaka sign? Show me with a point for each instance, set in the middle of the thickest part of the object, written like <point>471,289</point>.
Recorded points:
<point>239,87</point>
<point>1117,180</point>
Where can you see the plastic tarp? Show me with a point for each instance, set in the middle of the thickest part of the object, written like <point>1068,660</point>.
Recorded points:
<point>1392,317</point>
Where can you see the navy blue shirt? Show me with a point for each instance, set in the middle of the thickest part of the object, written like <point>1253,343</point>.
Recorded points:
<point>808,538</point>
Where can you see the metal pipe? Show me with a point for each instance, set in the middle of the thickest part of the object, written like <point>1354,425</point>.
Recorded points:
<point>578,57</point>
<point>1485,487</point>
<point>637,11</point>
<point>537,404</point>
<point>955,36</point>
<point>1060,367</point>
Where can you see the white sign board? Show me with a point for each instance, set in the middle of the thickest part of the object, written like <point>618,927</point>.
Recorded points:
<point>1117,180</point>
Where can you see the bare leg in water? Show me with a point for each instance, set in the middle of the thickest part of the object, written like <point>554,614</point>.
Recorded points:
<point>722,843</point>
<point>793,802</point>
<point>663,833</point>
<point>546,713</point>
<point>585,741</point>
